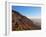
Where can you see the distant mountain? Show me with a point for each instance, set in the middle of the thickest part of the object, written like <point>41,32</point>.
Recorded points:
<point>21,22</point>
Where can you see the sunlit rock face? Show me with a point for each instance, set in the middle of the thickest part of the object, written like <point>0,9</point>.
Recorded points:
<point>21,22</point>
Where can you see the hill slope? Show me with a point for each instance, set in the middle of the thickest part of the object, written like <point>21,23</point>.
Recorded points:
<point>20,22</point>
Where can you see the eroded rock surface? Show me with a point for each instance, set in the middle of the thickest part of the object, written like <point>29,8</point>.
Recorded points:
<point>20,22</point>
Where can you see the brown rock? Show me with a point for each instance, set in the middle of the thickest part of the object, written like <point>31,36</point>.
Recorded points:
<point>20,22</point>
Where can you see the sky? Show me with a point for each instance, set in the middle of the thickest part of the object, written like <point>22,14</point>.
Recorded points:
<point>28,10</point>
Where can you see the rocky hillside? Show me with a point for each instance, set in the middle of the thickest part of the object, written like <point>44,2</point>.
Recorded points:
<point>20,22</point>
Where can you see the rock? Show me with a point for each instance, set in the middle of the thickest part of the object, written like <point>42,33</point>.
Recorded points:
<point>21,22</point>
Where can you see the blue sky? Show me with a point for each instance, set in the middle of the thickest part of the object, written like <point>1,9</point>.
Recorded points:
<point>28,10</point>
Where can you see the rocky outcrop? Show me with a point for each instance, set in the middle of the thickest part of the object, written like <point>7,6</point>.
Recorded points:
<point>20,22</point>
